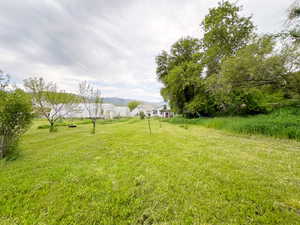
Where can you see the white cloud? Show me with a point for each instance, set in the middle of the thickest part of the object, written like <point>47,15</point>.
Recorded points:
<point>110,43</point>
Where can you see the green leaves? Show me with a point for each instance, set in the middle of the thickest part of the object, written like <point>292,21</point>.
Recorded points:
<point>294,21</point>
<point>15,117</point>
<point>180,72</point>
<point>230,70</point>
<point>225,31</point>
<point>133,104</point>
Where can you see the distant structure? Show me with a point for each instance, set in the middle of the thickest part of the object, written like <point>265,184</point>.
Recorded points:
<point>162,110</point>
<point>109,111</point>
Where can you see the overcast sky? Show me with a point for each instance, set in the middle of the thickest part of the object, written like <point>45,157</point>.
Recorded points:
<point>110,43</point>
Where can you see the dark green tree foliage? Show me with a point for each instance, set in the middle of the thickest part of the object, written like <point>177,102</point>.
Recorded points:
<point>180,72</point>
<point>292,90</point>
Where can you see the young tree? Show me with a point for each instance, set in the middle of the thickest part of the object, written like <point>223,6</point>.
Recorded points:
<point>15,116</point>
<point>50,102</point>
<point>92,101</point>
<point>133,104</point>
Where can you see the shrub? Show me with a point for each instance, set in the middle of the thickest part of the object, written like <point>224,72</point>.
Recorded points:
<point>246,103</point>
<point>142,115</point>
<point>15,117</point>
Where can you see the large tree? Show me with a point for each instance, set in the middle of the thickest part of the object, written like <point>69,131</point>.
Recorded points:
<point>180,72</point>
<point>225,32</point>
<point>92,101</point>
<point>182,69</point>
<point>230,70</point>
<point>50,102</point>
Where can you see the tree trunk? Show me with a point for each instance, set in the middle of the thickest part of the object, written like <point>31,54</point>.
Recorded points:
<point>94,127</point>
<point>51,129</point>
<point>2,147</point>
<point>149,126</point>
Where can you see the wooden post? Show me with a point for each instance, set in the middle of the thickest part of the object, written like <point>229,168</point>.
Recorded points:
<point>2,147</point>
<point>149,126</point>
<point>94,127</point>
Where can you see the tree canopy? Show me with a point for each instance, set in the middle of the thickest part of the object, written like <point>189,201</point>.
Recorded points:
<point>133,104</point>
<point>231,70</point>
<point>225,31</point>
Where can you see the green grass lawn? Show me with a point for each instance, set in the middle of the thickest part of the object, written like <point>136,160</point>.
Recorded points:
<point>122,175</point>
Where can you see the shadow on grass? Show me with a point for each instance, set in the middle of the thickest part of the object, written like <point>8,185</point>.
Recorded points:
<point>66,123</point>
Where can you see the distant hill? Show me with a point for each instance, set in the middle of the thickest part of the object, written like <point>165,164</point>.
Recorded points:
<point>113,100</point>
<point>123,101</point>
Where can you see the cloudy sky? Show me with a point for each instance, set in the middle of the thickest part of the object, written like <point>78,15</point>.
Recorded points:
<point>110,43</point>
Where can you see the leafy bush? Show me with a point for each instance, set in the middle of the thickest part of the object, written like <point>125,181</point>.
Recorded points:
<point>142,115</point>
<point>15,117</point>
<point>249,102</point>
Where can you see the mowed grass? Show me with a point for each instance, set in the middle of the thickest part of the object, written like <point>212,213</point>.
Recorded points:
<point>122,175</point>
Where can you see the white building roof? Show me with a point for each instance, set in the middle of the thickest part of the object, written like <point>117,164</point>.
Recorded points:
<point>82,112</point>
